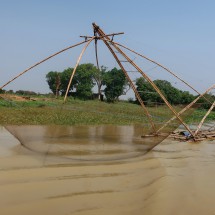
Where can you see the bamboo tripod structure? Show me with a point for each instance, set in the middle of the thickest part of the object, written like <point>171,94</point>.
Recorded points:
<point>111,45</point>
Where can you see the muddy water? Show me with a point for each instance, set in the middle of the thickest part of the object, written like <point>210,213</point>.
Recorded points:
<point>174,178</point>
<point>85,143</point>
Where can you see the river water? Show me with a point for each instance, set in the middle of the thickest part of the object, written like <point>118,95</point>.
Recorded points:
<point>173,178</point>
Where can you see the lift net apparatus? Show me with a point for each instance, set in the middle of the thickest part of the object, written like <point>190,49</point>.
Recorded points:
<point>118,50</point>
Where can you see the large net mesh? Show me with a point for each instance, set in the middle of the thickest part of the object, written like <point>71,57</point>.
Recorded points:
<point>86,143</point>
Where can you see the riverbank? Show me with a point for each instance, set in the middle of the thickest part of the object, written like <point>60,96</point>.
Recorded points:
<point>74,112</point>
<point>50,111</point>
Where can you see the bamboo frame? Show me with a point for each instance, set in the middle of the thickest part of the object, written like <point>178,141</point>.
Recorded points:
<point>77,63</point>
<point>203,119</point>
<point>187,107</point>
<point>113,34</point>
<point>38,63</point>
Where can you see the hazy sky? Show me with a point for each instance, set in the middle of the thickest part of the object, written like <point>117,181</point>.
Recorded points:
<point>178,34</point>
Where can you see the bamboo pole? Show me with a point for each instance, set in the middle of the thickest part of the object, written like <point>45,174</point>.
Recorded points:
<point>63,50</point>
<point>96,52</point>
<point>203,119</point>
<point>113,34</point>
<point>146,77</point>
<point>77,63</point>
<point>160,65</point>
<point>130,81</point>
<point>187,107</point>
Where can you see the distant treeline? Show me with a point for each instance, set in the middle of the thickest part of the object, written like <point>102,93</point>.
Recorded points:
<point>112,83</point>
<point>23,93</point>
<point>172,94</point>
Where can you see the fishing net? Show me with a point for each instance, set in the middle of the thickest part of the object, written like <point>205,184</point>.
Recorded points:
<point>94,130</point>
<point>73,131</point>
<point>85,143</point>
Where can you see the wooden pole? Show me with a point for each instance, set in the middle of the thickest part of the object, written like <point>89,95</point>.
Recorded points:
<point>186,108</point>
<point>77,63</point>
<point>129,80</point>
<point>202,121</point>
<point>63,50</point>
<point>113,34</point>
<point>145,76</point>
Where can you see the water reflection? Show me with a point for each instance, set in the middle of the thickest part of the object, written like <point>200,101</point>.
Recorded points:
<point>85,142</point>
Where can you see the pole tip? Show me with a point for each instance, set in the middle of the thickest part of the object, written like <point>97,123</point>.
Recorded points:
<point>95,25</point>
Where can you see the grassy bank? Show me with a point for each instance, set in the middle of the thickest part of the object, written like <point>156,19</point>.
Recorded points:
<point>74,112</point>
<point>77,112</point>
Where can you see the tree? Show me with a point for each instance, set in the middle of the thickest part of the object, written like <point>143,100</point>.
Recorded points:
<point>115,83</point>
<point>2,91</point>
<point>58,83</point>
<point>98,77</point>
<point>53,79</point>
<point>206,103</point>
<point>146,91</point>
<point>186,97</point>
<point>25,92</point>
<point>83,80</point>
<point>65,77</point>
<point>172,94</point>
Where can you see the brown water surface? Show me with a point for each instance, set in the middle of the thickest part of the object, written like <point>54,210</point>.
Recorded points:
<point>174,178</point>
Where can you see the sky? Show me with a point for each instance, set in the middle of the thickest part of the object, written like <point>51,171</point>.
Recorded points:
<point>177,34</point>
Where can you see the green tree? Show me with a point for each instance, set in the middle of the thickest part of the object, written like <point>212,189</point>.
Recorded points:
<point>98,77</point>
<point>83,80</point>
<point>2,91</point>
<point>53,79</point>
<point>146,91</point>
<point>65,77</point>
<point>207,101</point>
<point>115,83</point>
<point>172,94</point>
<point>186,97</point>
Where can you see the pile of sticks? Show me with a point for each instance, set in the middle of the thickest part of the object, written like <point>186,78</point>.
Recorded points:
<point>202,135</point>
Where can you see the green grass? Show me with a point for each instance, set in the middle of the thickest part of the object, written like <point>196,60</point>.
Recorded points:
<point>74,112</point>
<point>78,112</point>
<point>198,114</point>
